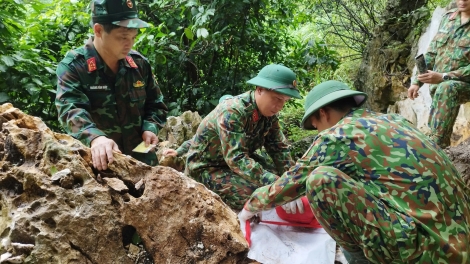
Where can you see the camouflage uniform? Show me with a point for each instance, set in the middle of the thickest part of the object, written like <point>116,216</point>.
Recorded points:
<point>92,101</point>
<point>222,155</point>
<point>378,185</point>
<point>449,52</point>
<point>184,148</point>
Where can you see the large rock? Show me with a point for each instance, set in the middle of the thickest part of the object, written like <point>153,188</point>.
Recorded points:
<point>55,208</point>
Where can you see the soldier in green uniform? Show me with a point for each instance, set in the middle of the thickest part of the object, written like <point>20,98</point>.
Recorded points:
<point>383,190</point>
<point>222,153</point>
<point>449,58</point>
<point>107,96</point>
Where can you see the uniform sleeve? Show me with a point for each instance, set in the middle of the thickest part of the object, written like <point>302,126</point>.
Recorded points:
<point>278,150</point>
<point>73,106</point>
<point>153,103</point>
<point>233,143</point>
<point>292,184</point>
<point>183,149</point>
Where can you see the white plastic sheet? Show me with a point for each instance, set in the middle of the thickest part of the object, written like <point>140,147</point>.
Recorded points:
<point>276,244</point>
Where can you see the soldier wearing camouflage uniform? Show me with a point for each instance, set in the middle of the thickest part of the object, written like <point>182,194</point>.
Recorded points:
<point>222,154</point>
<point>107,96</point>
<point>383,190</point>
<point>449,58</point>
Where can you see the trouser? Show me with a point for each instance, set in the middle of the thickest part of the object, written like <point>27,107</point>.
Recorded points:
<point>358,221</point>
<point>233,189</point>
<point>446,100</point>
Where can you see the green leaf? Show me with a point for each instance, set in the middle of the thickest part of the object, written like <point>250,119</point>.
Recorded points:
<point>7,60</point>
<point>189,34</point>
<point>202,32</point>
<point>173,47</point>
<point>53,170</point>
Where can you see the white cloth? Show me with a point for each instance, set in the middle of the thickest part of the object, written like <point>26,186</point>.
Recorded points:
<point>275,244</point>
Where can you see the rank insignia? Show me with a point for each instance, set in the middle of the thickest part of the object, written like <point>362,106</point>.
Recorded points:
<point>138,84</point>
<point>255,116</point>
<point>91,62</point>
<point>131,62</point>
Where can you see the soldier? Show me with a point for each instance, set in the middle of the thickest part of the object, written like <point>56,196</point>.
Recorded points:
<point>107,96</point>
<point>222,154</point>
<point>449,58</point>
<point>383,190</point>
<point>184,148</point>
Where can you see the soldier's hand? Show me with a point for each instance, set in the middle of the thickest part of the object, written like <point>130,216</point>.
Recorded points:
<point>430,77</point>
<point>291,207</point>
<point>413,91</point>
<point>149,138</point>
<point>102,152</point>
<point>170,152</point>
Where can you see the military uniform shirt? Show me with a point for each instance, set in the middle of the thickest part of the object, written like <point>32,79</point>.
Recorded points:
<point>395,163</point>
<point>233,131</point>
<point>92,101</point>
<point>449,51</point>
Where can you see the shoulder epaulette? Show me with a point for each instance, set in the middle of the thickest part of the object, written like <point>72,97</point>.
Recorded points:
<point>71,56</point>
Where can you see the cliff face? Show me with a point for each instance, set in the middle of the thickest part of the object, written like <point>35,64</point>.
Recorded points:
<point>55,208</point>
<point>388,66</point>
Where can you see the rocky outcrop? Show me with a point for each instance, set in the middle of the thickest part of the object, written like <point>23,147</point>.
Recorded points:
<point>384,72</point>
<point>460,156</point>
<point>177,129</point>
<point>56,208</point>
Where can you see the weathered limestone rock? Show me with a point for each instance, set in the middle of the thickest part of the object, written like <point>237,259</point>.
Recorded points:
<point>177,130</point>
<point>460,156</point>
<point>92,217</point>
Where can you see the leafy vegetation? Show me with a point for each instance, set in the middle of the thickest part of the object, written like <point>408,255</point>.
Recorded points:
<point>199,49</point>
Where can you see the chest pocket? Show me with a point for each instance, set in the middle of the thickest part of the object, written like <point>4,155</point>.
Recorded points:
<point>255,134</point>
<point>441,39</point>
<point>464,50</point>
<point>138,96</point>
<point>100,96</point>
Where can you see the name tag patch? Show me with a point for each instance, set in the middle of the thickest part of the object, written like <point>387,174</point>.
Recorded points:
<point>98,87</point>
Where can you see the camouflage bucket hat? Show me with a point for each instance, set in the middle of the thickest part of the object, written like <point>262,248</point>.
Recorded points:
<point>326,93</point>
<point>277,78</point>
<point>117,12</point>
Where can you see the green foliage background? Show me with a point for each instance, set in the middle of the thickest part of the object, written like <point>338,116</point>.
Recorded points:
<point>199,49</point>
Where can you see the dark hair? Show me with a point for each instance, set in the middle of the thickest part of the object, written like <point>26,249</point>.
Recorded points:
<point>342,105</point>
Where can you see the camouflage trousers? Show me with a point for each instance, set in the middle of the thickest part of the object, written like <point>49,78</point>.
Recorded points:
<point>231,187</point>
<point>446,100</point>
<point>358,221</point>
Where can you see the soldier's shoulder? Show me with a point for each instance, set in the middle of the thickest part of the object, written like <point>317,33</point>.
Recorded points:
<point>137,56</point>
<point>450,12</point>
<point>74,55</point>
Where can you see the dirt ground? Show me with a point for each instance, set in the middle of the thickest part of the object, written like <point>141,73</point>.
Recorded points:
<point>460,156</point>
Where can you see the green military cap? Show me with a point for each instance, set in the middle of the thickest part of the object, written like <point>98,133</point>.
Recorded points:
<point>326,93</point>
<point>277,78</point>
<point>118,12</point>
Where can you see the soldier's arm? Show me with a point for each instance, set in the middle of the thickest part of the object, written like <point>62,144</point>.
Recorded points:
<point>233,143</point>
<point>292,184</point>
<point>73,105</point>
<point>153,102</point>
<point>183,149</point>
<point>276,146</point>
